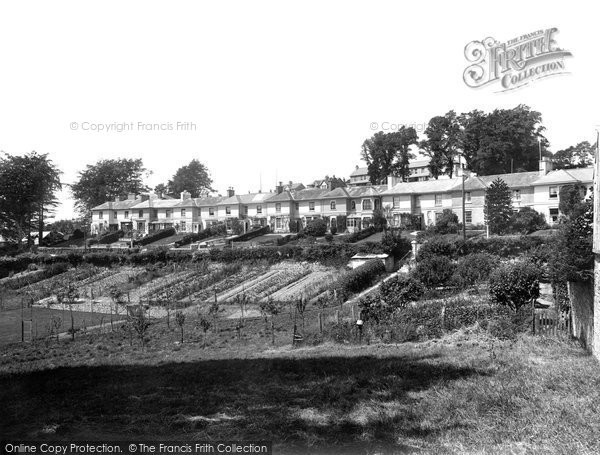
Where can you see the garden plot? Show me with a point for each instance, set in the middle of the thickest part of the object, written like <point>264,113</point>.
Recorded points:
<point>45,288</point>
<point>164,288</point>
<point>308,286</point>
<point>224,285</point>
<point>100,287</point>
<point>278,277</point>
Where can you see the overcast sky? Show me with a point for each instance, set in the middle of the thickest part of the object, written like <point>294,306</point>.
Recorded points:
<point>282,90</point>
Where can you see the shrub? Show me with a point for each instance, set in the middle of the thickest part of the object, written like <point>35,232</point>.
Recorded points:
<point>439,246</point>
<point>316,228</point>
<point>395,245</point>
<point>329,237</point>
<point>401,290</point>
<point>379,220</point>
<point>447,223</point>
<point>474,268</point>
<point>527,220</point>
<point>515,285</point>
<point>252,234</point>
<point>333,229</point>
<point>433,271</point>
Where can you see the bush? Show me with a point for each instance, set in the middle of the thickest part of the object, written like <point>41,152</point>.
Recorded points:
<point>401,290</point>
<point>161,234</point>
<point>447,223</point>
<point>360,278</point>
<point>316,228</point>
<point>515,285</point>
<point>526,221</point>
<point>395,245</point>
<point>252,234</point>
<point>333,229</point>
<point>474,268</point>
<point>433,271</point>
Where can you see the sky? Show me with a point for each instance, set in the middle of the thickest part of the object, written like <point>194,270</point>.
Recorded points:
<point>265,91</point>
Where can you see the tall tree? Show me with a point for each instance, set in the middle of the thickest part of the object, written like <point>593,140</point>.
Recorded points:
<point>107,179</point>
<point>389,154</point>
<point>497,208</point>
<point>580,155</point>
<point>442,144</point>
<point>503,141</point>
<point>193,177</point>
<point>28,185</point>
<point>161,188</point>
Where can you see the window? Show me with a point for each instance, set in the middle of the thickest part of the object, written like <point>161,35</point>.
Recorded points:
<point>516,195</point>
<point>438,215</point>
<point>141,214</point>
<point>168,213</point>
<point>227,210</point>
<point>100,215</point>
<point>245,210</point>
<point>366,204</point>
<point>278,223</point>
<point>183,225</point>
<point>396,201</point>
<point>183,214</point>
<point>278,207</point>
<point>126,213</point>
<point>377,204</point>
<point>468,216</point>
<point>311,206</point>
<point>332,205</point>
<point>468,196</point>
<point>115,214</point>
<point>554,215</point>
<point>211,211</point>
<point>297,205</point>
<point>438,199</point>
<point>259,209</point>
<point>553,192</point>
<point>154,213</point>
<point>353,205</point>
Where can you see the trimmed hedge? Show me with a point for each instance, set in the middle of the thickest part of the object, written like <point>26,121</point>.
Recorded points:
<point>111,237</point>
<point>506,246</point>
<point>252,234</point>
<point>360,235</point>
<point>161,234</point>
<point>204,234</point>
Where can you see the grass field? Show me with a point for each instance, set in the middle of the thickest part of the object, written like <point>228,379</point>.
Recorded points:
<point>465,393</point>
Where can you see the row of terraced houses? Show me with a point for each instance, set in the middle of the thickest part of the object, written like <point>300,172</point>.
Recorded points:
<point>348,208</point>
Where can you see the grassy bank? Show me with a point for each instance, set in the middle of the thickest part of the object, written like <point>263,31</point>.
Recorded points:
<point>465,393</point>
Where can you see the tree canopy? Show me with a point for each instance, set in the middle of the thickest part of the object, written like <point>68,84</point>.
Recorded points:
<point>580,155</point>
<point>108,179</point>
<point>389,154</point>
<point>28,185</point>
<point>193,177</point>
<point>443,143</point>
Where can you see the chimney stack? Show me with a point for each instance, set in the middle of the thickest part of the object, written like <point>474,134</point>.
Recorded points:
<point>279,188</point>
<point>230,192</point>
<point>185,195</point>
<point>545,166</point>
<point>131,197</point>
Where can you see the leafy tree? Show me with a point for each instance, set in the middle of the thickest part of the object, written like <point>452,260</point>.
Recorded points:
<point>502,141</point>
<point>570,198</point>
<point>180,320</point>
<point>401,290</point>
<point>389,154</point>
<point>106,180</point>
<point>498,206</point>
<point>161,188</point>
<point>379,220</point>
<point>447,223</point>
<point>28,185</point>
<point>515,285</point>
<point>442,144</point>
<point>193,177</point>
<point>580,155</point>
<point>527,220</point>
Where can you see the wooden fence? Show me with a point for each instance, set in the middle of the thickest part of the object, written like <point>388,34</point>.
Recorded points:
<point>550,322</point>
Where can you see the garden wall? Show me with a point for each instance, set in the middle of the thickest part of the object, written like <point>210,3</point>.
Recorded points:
<point>581,295</point>
<point>596,338</point>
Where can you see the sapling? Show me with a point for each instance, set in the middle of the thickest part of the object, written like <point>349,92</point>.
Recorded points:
<point>180,320</point>
<point>204,325</point>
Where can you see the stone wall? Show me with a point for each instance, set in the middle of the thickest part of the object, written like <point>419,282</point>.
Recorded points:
<point>596,337</point>
<point>581,295</point>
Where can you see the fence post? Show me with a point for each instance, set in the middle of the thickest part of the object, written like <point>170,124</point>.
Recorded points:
<point>320,319</point>
<point>337,316</point>
<point>353,314</point>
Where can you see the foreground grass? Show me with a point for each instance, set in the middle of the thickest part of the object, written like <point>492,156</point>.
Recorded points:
<point>466,393</point>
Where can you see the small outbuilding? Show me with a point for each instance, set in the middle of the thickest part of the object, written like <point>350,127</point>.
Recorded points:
<point>359,259</point>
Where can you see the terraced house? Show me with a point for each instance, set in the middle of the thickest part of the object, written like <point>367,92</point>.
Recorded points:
<point>347,208</point>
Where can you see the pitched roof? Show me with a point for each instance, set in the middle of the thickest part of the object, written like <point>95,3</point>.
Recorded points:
<point>339,192</point>
<point>311,193</point>
<point>419,163</point>
<point>117,205</point>
<point>426,186</point>
<point>516,180</point>
<point>567,176</point>
<point>209,201</point>
<point>359,171</point>
<point>366,191</point>
<point>284,196</point>
<point>157,203</point>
